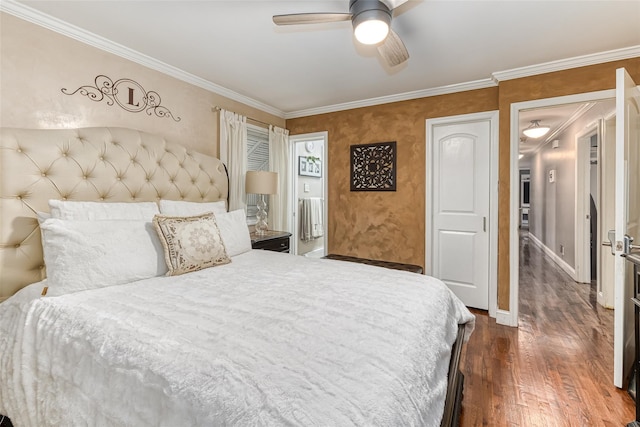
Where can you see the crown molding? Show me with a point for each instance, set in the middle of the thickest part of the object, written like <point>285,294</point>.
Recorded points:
<point>580,111</point>
<point>54,24</point>
<point>494,80</point>
<point>423,93</point>
<point>568,63</point>
<point>34,16</point>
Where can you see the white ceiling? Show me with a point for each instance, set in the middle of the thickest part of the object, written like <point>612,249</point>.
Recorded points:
<point>234,44</point>
<point>558,118</point>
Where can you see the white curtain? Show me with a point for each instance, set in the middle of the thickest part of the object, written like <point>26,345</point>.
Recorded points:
<point>279,161</point>
<point>233,153</point>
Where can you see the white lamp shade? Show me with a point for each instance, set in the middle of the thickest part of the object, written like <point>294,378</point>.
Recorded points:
<point>261,182</point>
<point>536,130</point>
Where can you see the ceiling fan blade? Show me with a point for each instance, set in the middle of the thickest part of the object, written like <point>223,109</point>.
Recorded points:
<point>392,4</point>
<point>393,50</point>
<point>310,18</point>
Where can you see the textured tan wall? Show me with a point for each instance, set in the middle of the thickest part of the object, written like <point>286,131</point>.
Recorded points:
<point>35,63</point>
<point>561,83</point>
<point>390,226</point>
<point>384,225</point>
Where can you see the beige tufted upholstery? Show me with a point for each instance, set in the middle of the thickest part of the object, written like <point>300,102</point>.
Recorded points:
<point>95,164</point>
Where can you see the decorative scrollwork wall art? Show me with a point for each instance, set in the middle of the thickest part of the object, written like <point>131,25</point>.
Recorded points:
<point>373,167</point>
<point>127,93</point>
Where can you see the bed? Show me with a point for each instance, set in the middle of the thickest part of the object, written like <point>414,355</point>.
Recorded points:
<point>263,339</point>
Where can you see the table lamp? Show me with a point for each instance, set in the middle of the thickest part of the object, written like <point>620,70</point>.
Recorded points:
<point>261,182</point>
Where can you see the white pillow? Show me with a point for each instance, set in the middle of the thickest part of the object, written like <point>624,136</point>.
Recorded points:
<point>181,208</point>
<point>81,255</point>
<point>102,210</point>
<point>234,231</point>
<point>42,216</point>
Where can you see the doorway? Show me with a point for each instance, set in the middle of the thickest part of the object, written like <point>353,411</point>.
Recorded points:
<point>588,192</point>
<point>308,195</point>
<point>461,195</point>
<point>563,252</point>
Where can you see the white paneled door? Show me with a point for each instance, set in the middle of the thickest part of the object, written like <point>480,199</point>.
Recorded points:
<point>460,179</point>
<point>627,219</point>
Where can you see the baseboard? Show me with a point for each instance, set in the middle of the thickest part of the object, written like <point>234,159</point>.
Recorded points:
<point>504,317</point>
<point>551,254</point>
<point>315,253</point>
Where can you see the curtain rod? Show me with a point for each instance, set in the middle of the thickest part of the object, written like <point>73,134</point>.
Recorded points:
<point>216,108</point>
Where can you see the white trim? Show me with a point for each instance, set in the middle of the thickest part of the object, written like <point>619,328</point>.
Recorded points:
<point>568,63</point>
<point>554,257</point>
<point>582,156</point>
<point>514,244</point>
<point>503,317</point>
<point>293,219</point>
<point>316,253</point>
<point>59,26</point>
<point>580,111</point>
<point>424,93</point>
<point>493,206</point>
<point>582,203</point>
<point>492,117</point>
<point>606,218</point>
<point>47,21</point>
<point>496,77</point>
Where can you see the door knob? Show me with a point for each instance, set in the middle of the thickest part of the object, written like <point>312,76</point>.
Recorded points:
<point>628,245</point>
<point>611,235</point>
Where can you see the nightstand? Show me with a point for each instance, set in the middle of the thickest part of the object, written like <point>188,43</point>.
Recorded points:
<point>276,241</point>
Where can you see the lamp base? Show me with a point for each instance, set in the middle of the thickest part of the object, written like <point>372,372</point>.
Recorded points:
<point>261,226</point>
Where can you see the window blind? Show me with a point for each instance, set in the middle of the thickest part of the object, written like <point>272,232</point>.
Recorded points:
<point>257,159</point>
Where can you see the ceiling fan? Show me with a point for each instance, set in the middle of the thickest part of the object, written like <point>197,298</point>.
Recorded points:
<point>371,20</point>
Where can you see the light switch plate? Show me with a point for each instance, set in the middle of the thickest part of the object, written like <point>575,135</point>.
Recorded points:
<point>306,188</point>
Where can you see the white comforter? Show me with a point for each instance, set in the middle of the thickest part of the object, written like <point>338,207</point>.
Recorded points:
<point>270,339</point>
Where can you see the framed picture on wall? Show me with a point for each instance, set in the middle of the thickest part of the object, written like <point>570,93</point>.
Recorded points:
<point>373,167</point>
<point>309,166</point>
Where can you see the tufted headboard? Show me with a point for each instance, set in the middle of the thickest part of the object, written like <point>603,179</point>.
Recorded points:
<point>93,164</point>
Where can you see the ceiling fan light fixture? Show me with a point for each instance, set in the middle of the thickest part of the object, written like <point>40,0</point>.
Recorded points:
<point>372,31</point>
<point>371,26</point>
<point>535,130</point>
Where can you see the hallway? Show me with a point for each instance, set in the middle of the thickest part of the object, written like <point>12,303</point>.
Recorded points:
<point>556,369</point>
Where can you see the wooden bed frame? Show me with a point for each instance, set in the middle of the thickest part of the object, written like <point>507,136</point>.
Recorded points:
<point>455,386</point>
<point>114,165</point>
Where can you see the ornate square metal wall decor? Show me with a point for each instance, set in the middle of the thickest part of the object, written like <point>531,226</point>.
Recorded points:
<point>373,167</point>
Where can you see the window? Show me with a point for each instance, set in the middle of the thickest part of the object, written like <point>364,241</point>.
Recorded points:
<point>257,160</point>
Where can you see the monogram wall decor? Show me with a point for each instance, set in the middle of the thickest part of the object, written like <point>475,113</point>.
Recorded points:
<point>373,167</point>
<point>127,93</point>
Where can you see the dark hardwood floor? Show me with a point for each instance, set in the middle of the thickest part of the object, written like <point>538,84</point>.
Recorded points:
<point>556,369</point>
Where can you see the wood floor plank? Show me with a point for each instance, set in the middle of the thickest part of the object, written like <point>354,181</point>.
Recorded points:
<point>556,369</point>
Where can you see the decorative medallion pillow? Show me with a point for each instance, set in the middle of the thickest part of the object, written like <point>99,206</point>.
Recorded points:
<point>190,243</point>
